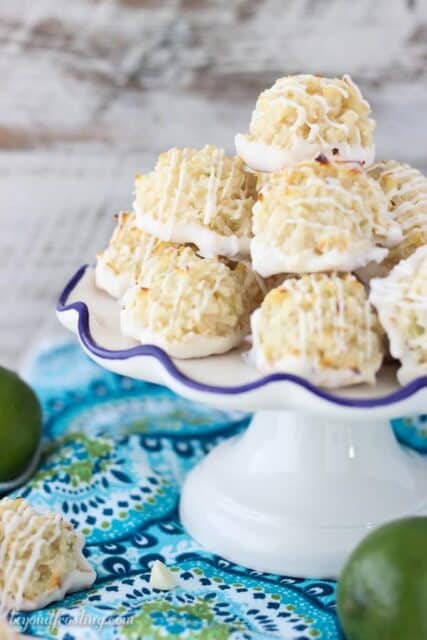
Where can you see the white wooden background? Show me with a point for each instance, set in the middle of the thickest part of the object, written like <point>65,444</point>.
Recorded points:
<point>92,90</point>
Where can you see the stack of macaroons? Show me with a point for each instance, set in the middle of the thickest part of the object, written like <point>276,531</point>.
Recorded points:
<point>287,230</point>
<point>176,262</point>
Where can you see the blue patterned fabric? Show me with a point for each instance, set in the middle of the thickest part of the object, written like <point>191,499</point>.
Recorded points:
<point>116,453</point>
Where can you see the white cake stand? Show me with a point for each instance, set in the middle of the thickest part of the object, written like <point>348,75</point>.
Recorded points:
<point>313,473</point>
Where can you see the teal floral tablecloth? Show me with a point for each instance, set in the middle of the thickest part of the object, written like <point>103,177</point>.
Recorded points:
<point>116,452</point>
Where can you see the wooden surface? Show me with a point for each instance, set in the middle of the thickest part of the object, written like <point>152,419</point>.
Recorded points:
<point>92,90</point>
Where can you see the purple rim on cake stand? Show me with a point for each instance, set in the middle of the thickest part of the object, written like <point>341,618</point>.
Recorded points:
<point>313,473</point>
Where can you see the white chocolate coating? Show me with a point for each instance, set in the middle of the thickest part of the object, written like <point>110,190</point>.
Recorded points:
<point>194,346</point>
<point>209,243</point>
<point>115,284</point>
<point>263,157</point>
<point>268,260</point>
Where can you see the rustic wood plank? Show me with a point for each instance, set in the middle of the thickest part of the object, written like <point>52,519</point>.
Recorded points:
<point>138,73</point>
<point>56,212</point>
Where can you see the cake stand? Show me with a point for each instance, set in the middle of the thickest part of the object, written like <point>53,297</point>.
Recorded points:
<point>313,473</point>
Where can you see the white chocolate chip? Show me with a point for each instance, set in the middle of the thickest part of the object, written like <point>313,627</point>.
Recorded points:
<point>161,578</point>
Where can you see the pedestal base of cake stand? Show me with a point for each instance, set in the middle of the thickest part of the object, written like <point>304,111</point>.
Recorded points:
<point>295,493</point>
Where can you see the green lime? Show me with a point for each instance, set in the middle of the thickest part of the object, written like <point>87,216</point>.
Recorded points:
<point>20,425</point>
<point>382,592</point>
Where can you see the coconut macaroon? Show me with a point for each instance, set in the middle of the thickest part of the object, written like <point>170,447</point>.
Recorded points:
<point>401,302</point>
<point>41,558</point>
<point>303,116</point>
<point>191,306</point>
<point>198,196</point>
<point>120,265</point>
<point>406,191</point>
<point>7,632</point>
<point>321,327</point>
<point>320,216</point>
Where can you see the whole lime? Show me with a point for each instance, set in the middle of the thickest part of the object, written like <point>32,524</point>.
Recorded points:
<point>20,425</point>
<point>382,592</point>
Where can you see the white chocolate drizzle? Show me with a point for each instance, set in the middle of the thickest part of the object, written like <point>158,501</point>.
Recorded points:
<point>263,156</point>
<point>172,280</point>
<point>174,220</point>
<point>315,312</point>
<point>276,246</point>
<point>21,532</point>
